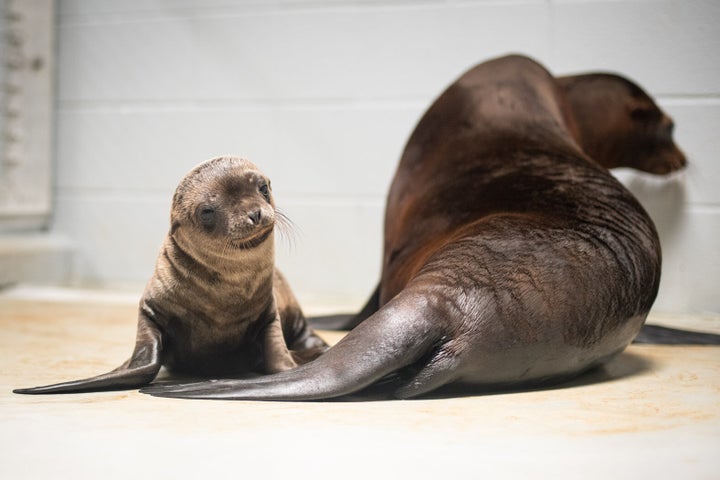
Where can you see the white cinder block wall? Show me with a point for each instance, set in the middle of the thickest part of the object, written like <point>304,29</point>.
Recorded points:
<point>323,94</point>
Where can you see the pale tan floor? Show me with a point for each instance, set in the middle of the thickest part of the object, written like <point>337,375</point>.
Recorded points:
<point>653,413</point>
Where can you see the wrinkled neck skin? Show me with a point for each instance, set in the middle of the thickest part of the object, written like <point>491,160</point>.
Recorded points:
<point>222,257</point>
<point>219,273</point>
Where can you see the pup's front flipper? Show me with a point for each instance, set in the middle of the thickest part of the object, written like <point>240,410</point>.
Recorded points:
<point>139,370</point>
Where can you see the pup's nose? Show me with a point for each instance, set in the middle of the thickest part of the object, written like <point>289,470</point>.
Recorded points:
<point>255,216</point>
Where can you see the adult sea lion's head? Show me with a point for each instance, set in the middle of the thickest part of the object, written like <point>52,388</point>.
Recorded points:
<point>619,125</point>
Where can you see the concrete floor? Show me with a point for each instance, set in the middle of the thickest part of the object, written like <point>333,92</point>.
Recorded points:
<point>653,412</point>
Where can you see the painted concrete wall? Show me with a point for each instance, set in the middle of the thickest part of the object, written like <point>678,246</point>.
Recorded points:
<point>323,94</point>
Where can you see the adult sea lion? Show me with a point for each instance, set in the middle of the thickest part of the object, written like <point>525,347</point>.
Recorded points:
<point>616,124</point>
<point>512,256</point>
<point>216,304</point>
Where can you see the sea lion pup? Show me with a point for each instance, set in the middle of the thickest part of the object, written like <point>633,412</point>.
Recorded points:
<point>512,258</point>
<point>216,304</point>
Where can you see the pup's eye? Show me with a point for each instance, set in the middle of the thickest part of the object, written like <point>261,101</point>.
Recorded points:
<point>265,190</point>
<point>207,216</point>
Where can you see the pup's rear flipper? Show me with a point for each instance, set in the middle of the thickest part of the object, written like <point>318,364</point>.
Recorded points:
<point>139,370</point>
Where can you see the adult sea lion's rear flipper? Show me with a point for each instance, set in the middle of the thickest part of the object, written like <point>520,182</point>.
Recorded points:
<point>140,369</point>
<point>655,334</point>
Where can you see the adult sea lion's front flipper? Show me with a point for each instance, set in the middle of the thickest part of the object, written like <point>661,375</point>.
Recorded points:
<point>140,369</point>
